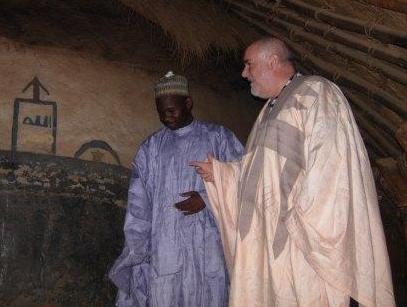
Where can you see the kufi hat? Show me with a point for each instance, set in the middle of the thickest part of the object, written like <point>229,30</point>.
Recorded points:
<point>171,84</point>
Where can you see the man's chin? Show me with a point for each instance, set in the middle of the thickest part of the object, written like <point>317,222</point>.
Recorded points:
<point>257,94</point>
<point>172,127</point>
<point>254,92</point>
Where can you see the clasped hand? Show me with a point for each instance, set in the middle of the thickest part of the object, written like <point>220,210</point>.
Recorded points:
<point>193,204</point>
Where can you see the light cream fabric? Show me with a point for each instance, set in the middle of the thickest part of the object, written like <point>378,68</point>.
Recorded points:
<point>298,215</point>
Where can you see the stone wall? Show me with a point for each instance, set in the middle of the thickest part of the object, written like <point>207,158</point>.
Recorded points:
<point>61,225</point>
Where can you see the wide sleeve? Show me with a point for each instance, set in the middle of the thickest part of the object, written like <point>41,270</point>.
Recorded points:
<point>130,272</point>
<point>222,195</point>
<point>334,219</point>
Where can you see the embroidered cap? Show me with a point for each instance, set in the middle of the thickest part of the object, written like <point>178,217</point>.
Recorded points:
<point>171,84</point>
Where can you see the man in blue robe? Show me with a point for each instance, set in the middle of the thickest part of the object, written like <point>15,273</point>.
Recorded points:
<point>173,253</point>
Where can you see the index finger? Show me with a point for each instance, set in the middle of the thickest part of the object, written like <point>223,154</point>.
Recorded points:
<point>197,163</point>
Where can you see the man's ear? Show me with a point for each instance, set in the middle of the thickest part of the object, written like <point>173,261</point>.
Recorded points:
<point>272,61</point>
<point>189,103</point>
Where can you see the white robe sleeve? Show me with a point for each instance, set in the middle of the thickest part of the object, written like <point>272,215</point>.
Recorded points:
<point>223,201</point>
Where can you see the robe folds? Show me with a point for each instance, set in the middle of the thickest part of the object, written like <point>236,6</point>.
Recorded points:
<point>298,215</point>
<point>170,259</point>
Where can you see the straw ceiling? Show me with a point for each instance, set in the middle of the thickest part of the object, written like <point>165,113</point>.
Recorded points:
<point>195,26</point>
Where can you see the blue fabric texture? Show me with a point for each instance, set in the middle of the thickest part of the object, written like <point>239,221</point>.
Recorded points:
<point>170,259</point>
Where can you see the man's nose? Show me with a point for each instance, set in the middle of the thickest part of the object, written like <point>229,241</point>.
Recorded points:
<point>167,115</point>
<point>244,72</point>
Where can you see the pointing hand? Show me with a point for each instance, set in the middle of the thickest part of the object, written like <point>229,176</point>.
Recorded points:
<point>204,168</point>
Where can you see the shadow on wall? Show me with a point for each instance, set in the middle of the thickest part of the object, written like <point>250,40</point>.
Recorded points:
<point>61,229</point>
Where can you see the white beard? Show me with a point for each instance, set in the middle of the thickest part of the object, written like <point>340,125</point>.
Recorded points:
<point>255,92</point>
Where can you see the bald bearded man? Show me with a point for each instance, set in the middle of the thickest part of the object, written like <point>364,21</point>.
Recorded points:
<point>298,215</point>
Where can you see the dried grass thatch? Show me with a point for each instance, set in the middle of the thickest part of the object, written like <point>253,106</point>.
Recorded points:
<point>195,26</point>
<point>399,6</point>
<point>369,11</point>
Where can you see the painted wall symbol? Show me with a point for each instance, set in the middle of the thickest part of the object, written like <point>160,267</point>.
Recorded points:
<point>34,122</point>
<point>98,151</point>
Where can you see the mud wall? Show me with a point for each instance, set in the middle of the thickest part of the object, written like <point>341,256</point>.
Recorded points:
<point>65,103</point>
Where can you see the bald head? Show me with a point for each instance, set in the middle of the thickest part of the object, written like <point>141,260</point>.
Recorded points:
<point>268,67</point>
<point>271,46</point>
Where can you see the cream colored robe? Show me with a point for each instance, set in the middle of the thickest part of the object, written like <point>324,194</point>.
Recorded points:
<point>298,216</point>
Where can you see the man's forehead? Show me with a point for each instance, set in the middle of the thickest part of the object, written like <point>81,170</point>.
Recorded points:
<point>250,53</point>
<point>247,58</point>
<point>170,99</point>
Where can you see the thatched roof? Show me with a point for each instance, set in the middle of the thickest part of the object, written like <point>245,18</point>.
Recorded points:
<point>194,29</point>
<point>195,26</point>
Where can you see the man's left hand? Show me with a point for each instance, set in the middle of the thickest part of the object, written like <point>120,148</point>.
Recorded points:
<point>191,205</point>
